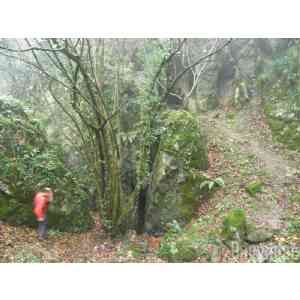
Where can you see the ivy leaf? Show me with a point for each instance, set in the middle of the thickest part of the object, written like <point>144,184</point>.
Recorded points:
<point>173,249</point>
<point>204,183</point>
<point>220,181</point>
<point>211,185</point>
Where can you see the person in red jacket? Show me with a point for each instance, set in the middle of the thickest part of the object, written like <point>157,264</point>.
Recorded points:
<point>41,202</point>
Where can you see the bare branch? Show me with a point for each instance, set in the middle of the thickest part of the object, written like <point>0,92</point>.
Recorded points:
<point>197,75</point>
<point>193,65</point>
<point>33,48</point>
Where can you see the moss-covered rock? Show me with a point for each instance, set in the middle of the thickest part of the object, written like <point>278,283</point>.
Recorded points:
<point>186,251</point>
<point>254,187</point>
<point>175,190</point>
<point>234,225</point>
<point>181,250</point>
<point>237,231</point>
<point>256,236</point>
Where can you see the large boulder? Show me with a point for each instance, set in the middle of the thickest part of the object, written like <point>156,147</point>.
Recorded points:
<point>175,188</point>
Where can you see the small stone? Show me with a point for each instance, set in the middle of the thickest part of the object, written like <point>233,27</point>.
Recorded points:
<point>259,235</point>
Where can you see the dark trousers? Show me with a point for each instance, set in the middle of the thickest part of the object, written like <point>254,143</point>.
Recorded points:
<point>42,228</point>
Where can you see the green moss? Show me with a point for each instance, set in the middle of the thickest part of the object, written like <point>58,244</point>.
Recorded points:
<point>256,236</point>
<point>191,192</point>
<point>295,198</point>
<point>254,187</point>
<point>236,228</point>
<point>234,225</point>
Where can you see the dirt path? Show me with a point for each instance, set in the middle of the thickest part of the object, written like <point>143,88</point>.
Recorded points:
<point>249,130</point>
<point>246,142</point>
<point>282,164</point>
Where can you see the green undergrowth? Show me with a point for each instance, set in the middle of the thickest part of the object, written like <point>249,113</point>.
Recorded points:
<point>27,256</point>
<point>15,214</point>
<point>187,244</point>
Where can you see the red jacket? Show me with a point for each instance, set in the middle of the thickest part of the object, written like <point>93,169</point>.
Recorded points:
<point>41,202</point>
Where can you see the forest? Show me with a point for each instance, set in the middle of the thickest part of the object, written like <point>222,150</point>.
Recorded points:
<point>156,149</point>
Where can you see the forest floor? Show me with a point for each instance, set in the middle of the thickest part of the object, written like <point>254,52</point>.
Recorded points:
<point>241,150</point>
<point>20,244</point>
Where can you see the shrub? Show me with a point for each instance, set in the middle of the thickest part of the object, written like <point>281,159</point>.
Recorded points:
<point>28,163</point>
<point>185,245</point>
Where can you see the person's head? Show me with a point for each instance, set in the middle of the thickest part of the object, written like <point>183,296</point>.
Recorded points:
<point>48,191</point>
